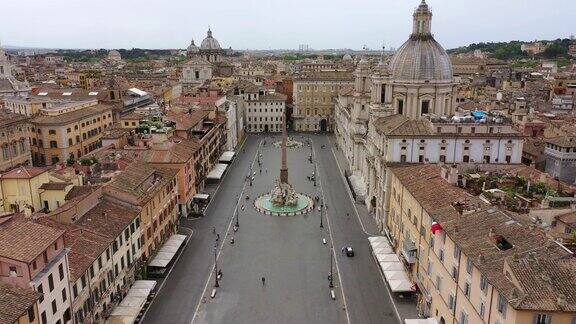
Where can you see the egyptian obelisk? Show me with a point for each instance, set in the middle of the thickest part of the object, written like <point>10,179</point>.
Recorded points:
<point>284,167</point>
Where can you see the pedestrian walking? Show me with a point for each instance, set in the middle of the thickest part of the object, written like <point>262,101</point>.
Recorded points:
<point>266,170</point>
<point>242,207</point>
<point>263,281</point>
<point>217,237</point>
<point>232,240</point>
<point>213,230</point>
<point>260,171</point>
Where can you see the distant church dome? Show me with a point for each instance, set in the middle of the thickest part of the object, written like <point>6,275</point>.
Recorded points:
<point>210,43</point>
<point>421,58</point>
<point>347,57</point>
<point>114,55</point>
<point>192,48</point>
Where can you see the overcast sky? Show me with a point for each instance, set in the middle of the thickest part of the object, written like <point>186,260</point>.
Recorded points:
<point>274,24</point>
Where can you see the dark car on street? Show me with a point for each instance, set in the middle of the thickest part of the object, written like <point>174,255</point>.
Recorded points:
<point>348,250</point>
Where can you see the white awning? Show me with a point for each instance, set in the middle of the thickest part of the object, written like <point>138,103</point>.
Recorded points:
<point>217,172</point>
<point>391,266</point>
<point>129,308</point>
<point>200,196</point>
<point>227,157</point>
<point>167,251</point>
<point>395,275</point>
<point>387,258</point>
<point>395,266</point>
<point>429,320</point>
<point>138,92</point>
<point>400,285</point>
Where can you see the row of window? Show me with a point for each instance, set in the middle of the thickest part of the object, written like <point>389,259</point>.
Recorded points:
<point>255,119</point>
<point>14,149</point>
<point>278,110</point>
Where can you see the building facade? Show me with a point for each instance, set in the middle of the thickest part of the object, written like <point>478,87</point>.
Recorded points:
<point>14,140</point>
<point>469,261</point>
<point>314,95</point>
<point>264,111</point>
<point>68,131</point>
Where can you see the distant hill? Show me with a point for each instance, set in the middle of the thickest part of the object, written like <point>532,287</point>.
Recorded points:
<point>511,50</point>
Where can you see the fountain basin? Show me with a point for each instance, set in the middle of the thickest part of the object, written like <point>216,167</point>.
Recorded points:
<point>264,205</point>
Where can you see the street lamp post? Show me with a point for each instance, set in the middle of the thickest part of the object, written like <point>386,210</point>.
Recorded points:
<point>331,284</point>
<point>237,225</point>
<point>315,174</point>
<point>321,224</point>
<point>216,284</point>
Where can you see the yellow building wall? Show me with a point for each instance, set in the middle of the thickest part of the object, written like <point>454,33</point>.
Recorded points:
<point>23,192</point>
<point>24,318</point>
<point>55,198</point>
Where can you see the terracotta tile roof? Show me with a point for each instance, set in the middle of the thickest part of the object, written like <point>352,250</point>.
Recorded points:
<point>23,240</point>
<point>85,246</point>
<point>273,97</point>
<point>547,284</point>
<point>399,125</point>
<point>324,75</point>
<point>75,94</point>
<point>15,301</point>
<point>180,152</point>
<point>346,91</point>
<point>55,185</point>
<point>107,219</point>
<point>185,121</point>
<point>562,141</point>
<point>568,219</point>
<point>71,116</point>
<point>138,181</point>
<point>424,182</point>
<point>92,234</point>
<point>77,191</point>
<point>24,172</point>
<point>9,118</point>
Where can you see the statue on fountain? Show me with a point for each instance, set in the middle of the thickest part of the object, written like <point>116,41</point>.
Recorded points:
<point>283,195</point>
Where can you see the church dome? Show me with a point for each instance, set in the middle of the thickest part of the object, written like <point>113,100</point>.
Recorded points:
<point>421,58</point>
<point>192,48</point>
<point>210,43</point>
<point>347,57</point>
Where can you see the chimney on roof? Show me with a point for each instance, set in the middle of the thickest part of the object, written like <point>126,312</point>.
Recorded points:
<point>491,233</point>
<point>561,301</point>
<point>449,173</point>
<point>481,258</point>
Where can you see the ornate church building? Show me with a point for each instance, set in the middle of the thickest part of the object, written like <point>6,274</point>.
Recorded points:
<point>402,111</point>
